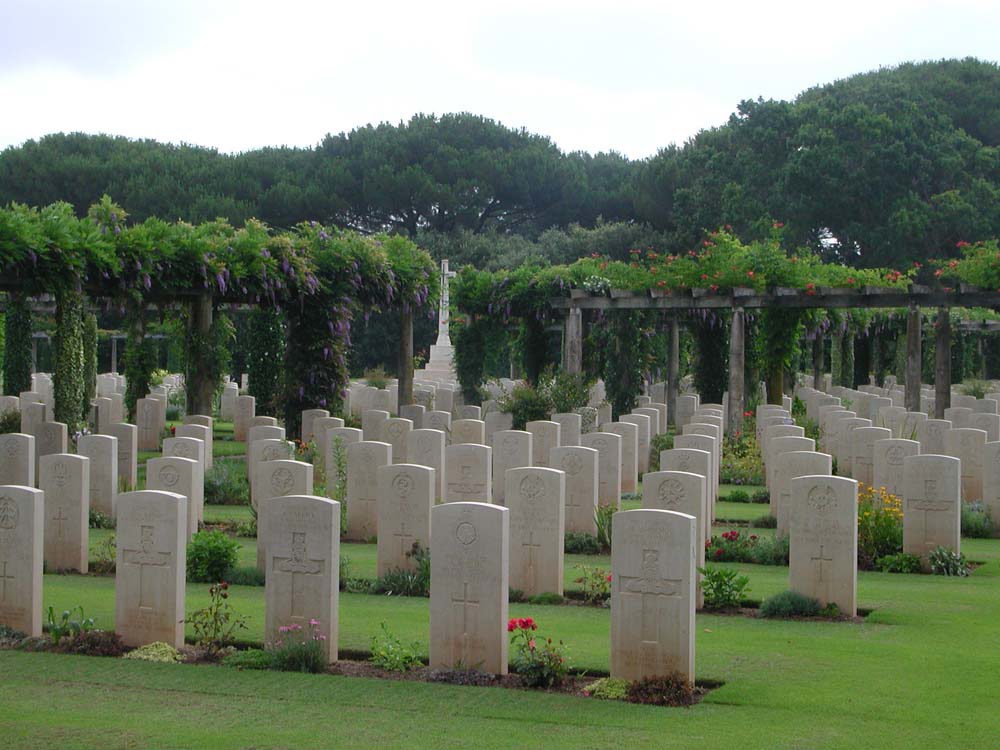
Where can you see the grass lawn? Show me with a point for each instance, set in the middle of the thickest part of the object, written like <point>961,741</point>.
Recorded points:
<point>919,672</point>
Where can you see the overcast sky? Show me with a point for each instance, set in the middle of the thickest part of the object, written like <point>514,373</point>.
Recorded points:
<point>597,76</point>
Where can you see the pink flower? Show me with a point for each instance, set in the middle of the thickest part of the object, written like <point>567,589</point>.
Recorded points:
<point>314,622</point>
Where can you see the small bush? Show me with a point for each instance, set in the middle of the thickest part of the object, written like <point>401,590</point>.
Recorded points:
<point>540,663</point>
<point>226,483</point>
<point>65,626</point>
<point>245,575</point>
<point>246,529</point>
<point>566,390</point>
<point>93,643</point>
<point>210,554</point>
<point>724,588</point>
<point>299,650</point>
<point>215,625</point>
<point>251,658</point>
<point>160,652</point>
<point>789,604</point>
<point>388,652</point>
<point>737,496</point>
<point>10,421</point>
<point>947,562</point>
<point>608,689</point>
<point>901,563</point>
<point>880,525</point>
<point>546,597</point>
<point>525,404</point>
<point>737,546</point>
<point>605,516</point>
<point>976,521</point>
<point>100,521</point>
<point>657,444</point>
<point>577,543</point>
<point>400,582</point>
<point>672,690</point>
<point>760,496</point>
<point>596,583</point>
<point>104,557</point>
<point>764,522</point>
<point>376,377</point>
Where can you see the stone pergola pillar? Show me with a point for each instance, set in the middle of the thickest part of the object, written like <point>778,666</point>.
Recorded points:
<point>673,368</point>
<point>942,363</point>
<point>114,353</point>
<point>817,363</point>
<point>911,398</point>
<point>573,340</point>
<point>736,370</point>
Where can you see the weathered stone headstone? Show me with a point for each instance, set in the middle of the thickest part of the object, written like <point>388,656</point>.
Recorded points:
<point>643,431</point>
<point>653,554</point>
<point>303,569</point>
<point>788,466</point>
<point>468,473</point>
<point>102,450</point>
<point>930,435</point>
<point>243,414</point>
<point>437,420</point>
<point>932,508</point>
<point>405,499</point>
<point>127,436</point>
<point>511,450</point>
<point>415,413</point>
<point>150,566</point>
<point>309,416</point>
<point>227,406</point>
<point>17,459</point>
<point>196,432</point>
<point>336,441</point>
<point>363,460</point>
<point>372,421</point>
<point>958,416</point>
<point>425,447</point>
<point>321,430</point>
<point>21,558</point>
<point>147,417</point>
<point>991,483</point>
<point>580,465</point>
<point>50,437</point>
<point>823,540</point>
<point>261,420</point>
<point>470,412</point>
<point>182,476</point>
<point>268,449</point>
<point>469,587</point>
<point>844,442</point>
<point>570,428</point>
<point>609,466</point>
<point>682,492</point>
<point>888,465</point>
<point>629,433</point>
<point>966,444</point>
<point>65,480</point>
<point>536,498</point>
<point>863,441</point>
<point>187,447</point>
<point>655,424</point>
<point>468,431</point>
<point>275,479</point>
<point>686,407</point>
<point>987,422</point>
<point>545,435</point>
<point>33,414</point>
<point>394,432</point>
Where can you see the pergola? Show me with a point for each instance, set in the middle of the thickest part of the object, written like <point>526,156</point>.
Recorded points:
<point>740,300</point>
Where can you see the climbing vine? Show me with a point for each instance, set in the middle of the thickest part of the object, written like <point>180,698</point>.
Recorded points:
<point>68,380</point>
<point>17,346</point>
<point>265,351</point>
<point>89,332</point>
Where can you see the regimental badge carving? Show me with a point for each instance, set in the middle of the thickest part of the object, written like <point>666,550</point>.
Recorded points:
<point>402,484</point>
<point>509,446</point>
<point>930,489</point>
<point>8,513</point>
<point>275,453</point>
<point>822,498</point>
<point>183,450</point>
<point>169,475</point>
<point>60,474</point>
<point>465,533</point>
<point>894,456</point>
<point>532,487</point>
<point>10,449</point>
<point>572,463</point>
<point>282,481</point>
<point>395,430</point>
<point>671,492</point>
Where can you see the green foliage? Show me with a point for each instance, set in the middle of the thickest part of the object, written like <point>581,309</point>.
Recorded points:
<point>738,496</point>
<point>658,444</point>
<point>480,343</point>
<point>789,604</point>
<point>540,663</point>
<point>595,582</point>
<point>764,522</point>
<point>525,403</point>
<point>604,516</point>
<point>388,652</point>
<point>402,582</point>
<point>68,379</point>
<point>265,350</point>
<point>10,421</point>
<point>17,345</point>
<point>89,333</point>
<point>608,689</point>
<point>246,575</point>
<point>377,378</point>
<point>159,652</point>
<point>65,626</point>
<point>948,562</point>
<point>741,463</point>
<point>976,521</point>
<point>297,649</point>
<point>210,554</point>
<point>737,546</point>
<point>880,525</point>
<point>226,483</point>
<point>105,553</point>
<point>251,658</point>
<point>899,563</point>
<point>724,588</point>
<point>711,362</point>
<point>579,543</point>
<point>100,521</point>
<point>139,359</point>
<point>622,352</point>
<point>214,626</point>
<point>93,643</point>
<point>566,391</point>
<point>671,690</point>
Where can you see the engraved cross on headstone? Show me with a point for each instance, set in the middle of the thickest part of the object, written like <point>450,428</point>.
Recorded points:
<point>145,557</point>
<point>928,504</point>
<point>298,565</point>
<point>4,577</point>
<point>531,546</point>
<point>821,559</point>
<point>465,602</point>
<point>649,588</point>
<point>402,536</point>
<point>60,519</point>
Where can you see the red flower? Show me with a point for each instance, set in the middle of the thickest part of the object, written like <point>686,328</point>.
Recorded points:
<point>718,553</point>
<point>609,578</point>
<point>778,225</point>
<point>750,274</point>
<point>511,625</point>
<point>937,273</point>
<point>962,243</point>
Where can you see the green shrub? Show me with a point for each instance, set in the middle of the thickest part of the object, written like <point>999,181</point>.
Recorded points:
<point>226,483</point>
<point>658,443</point>
<point>100,521</point>
<point>10,421</point>
<point>899,563</point>
<point>65,626</point>
<point>724,588</point>
<point>596,583</point>
<point>976,521</point>
<point>608,689</point>
<point>546,597</point>
<point>160,652</point>
<point>93,643</point>
<point>525,404</point>
<point>298,650</point>
<point>672,690</point>
<point>880,525</point>
<point>567,391</point>
<point>741,462</point>
<point>376,377</point>
<point>388,652</point>
<point>245,575</point>
<point>738,546</point>
<point>210,554</point>
<point>540,663</point>
<point>605,517</point>
<point>214,626</point>
<point>400,582</point>
<point>764,522</point>
<point>789,604</point>
<point>251,658</point>
<point>737,496</point>
<point>947,562</point>
<point>578,543</point>
<point>760,497</point>
<point>104,556</point>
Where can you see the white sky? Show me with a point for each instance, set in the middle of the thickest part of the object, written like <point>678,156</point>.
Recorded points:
<point>620,74</point>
